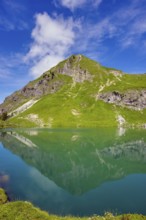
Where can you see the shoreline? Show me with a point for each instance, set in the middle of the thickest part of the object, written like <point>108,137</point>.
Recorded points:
<point>24,210</point>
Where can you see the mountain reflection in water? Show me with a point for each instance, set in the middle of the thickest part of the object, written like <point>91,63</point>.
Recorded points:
<point>60,169</point>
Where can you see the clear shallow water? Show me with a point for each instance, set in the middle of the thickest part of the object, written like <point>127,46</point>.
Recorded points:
<point>78,172</point>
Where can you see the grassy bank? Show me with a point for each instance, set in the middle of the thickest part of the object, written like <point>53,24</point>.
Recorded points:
<point>6,124</point>
<point>26,211</point>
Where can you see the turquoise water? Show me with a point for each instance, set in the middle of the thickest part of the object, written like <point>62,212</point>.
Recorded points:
<point>75,171</point>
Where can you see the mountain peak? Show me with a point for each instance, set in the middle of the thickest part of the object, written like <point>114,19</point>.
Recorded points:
<point>76,56</point>
<point>82,89</point>
<point>73,67</point>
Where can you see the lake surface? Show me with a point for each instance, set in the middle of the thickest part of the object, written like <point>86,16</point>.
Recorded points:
<point>77,172</point>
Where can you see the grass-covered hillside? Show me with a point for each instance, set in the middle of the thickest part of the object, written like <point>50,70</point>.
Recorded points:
<point>79,92</point>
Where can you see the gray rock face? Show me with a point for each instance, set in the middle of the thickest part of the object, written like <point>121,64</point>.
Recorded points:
<point>72,68</point>
<point>41,88</point>
<point>134,99</point>
<point>34,90</point>
<point>48,83</point>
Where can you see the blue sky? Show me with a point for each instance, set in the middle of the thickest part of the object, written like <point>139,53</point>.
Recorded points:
<point>35,35</point>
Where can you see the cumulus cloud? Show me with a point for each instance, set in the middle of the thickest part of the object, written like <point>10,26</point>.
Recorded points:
<point>45,63</point>
<point>52,37</point>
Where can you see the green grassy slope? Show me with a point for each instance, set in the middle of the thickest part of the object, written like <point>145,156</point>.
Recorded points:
<point>76,104</point>
<point>6,124</point>
<point>25,210</point>
<point>129,81</point>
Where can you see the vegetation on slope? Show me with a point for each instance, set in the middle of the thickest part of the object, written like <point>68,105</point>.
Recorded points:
<point>129,82</point>
<point>69,96</point>
<point>59,110</point>
<point>6,124</point>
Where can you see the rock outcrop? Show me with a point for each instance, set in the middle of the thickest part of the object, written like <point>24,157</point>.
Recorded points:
<point>73,69</point>
<point>133,99</point>
<point>74,88</point>
<point>48,83</point>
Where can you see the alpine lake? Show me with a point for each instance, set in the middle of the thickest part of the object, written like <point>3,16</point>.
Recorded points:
<point>79,172</point>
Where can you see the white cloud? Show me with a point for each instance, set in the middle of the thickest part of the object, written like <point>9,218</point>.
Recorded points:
<point>135,34</point>
<point>139,27</point>
<point>44,64</point>
<point>52,38</point>
<point>131,25</point>
<point>126,26</point>
<point>72,4</point>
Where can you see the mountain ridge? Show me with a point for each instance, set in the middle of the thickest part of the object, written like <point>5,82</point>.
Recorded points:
<point>88,93</point>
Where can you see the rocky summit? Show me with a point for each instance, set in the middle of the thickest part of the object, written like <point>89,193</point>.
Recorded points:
<point>79,92</point>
